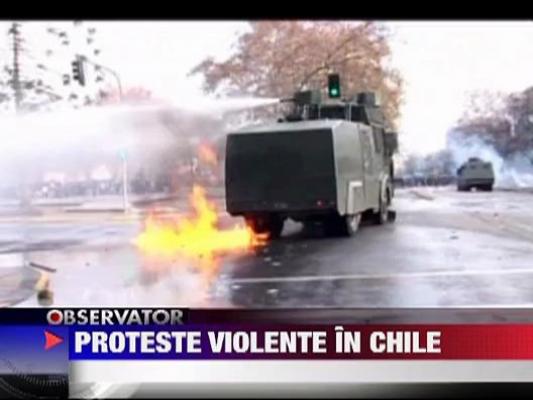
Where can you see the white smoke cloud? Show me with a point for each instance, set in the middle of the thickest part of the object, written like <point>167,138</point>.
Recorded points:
<point>513,172</point>
<point>82,140</point>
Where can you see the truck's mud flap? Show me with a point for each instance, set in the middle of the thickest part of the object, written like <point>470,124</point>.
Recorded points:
<point>391,215</point>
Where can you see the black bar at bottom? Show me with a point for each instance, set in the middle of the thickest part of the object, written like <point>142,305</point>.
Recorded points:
<point>344,390</point>
<point>21,386</point>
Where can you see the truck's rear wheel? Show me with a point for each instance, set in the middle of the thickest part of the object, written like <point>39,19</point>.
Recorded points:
<point>382,216</point>
<point>271,225</point>
<point>351,224</point>
<point>346,225</point>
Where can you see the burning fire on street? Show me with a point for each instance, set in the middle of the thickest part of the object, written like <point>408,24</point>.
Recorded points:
<point>207,154</point>
<point>196,237</point>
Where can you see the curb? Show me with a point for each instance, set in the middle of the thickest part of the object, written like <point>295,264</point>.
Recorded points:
<point>72,217</point>
<point>422,195</point>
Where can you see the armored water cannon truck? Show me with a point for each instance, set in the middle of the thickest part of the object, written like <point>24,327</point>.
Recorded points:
<point>475,173</point>
<point>326,161</point>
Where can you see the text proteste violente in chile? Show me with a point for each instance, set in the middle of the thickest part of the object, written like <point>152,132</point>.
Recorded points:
<point>251,342</point>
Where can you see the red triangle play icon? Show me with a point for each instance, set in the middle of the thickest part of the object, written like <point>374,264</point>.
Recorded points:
<point>52,340</point>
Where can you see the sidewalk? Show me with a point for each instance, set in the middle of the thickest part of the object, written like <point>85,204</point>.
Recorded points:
<point>101,214</point>
<point>72,216</point>
<point>103,202</point>
<point>109,208</point>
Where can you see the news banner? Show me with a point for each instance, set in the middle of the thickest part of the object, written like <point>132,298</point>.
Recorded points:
<point>43,342</point>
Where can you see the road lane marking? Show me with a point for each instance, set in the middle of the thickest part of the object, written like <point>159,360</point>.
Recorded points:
<point>281,279</point>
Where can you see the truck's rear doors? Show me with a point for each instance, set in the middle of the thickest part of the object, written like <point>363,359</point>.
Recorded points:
<point>276,171</point>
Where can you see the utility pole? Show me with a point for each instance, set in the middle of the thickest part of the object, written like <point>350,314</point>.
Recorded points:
<point>16,84</point>
<point>16,41</point>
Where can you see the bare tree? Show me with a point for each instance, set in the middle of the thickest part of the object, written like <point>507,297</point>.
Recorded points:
<point>503,120</point>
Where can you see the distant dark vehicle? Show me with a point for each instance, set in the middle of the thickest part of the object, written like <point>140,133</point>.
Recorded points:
<point>475,173</point>
<point>444,180</point>
<point>399,181</point>
<point>330,163</point>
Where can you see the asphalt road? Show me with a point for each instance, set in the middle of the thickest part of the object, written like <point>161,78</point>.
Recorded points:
<point>445,249</point>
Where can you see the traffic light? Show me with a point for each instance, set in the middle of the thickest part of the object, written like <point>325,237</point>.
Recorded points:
<point>78,74</point>
<point>334,86</point>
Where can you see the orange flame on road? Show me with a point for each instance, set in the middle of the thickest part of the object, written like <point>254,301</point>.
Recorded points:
<point>196,237</point>
<point>207,154</point>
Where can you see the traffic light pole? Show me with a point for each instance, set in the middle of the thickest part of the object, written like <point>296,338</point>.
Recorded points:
<point>84,59</point>
<point>125,201</point>
<point>112,72</point>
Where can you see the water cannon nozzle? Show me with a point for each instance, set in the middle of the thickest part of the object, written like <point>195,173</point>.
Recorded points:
<point>287,100</point>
